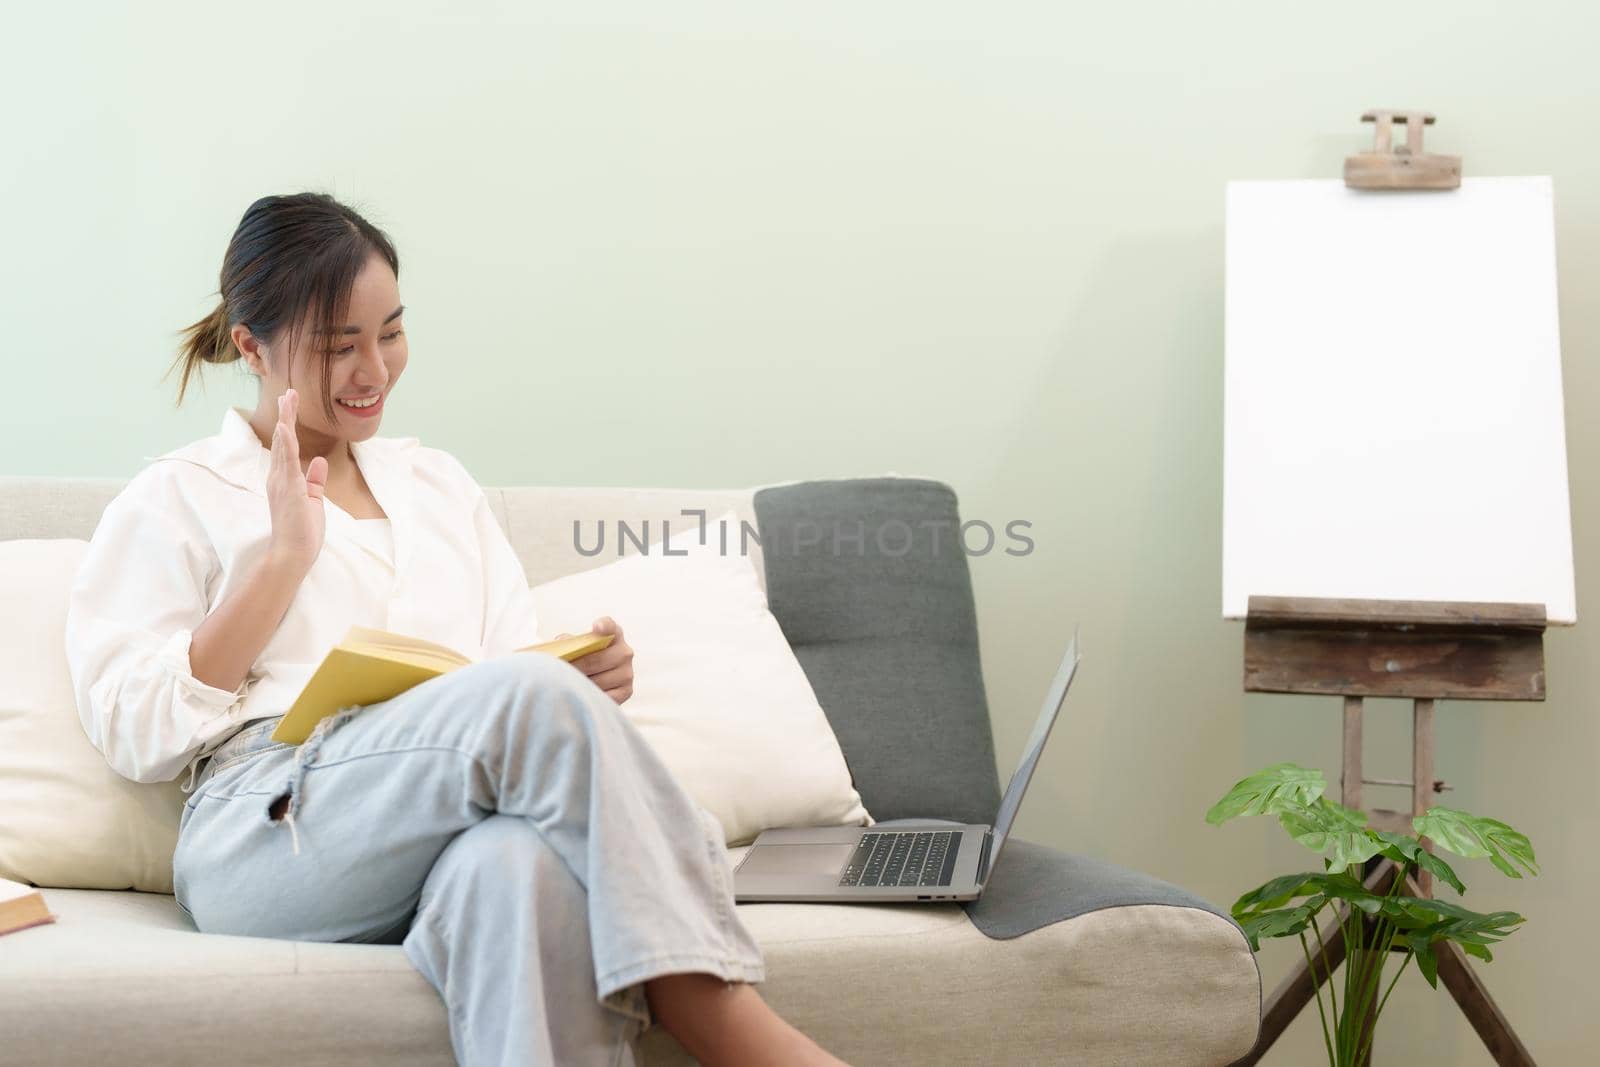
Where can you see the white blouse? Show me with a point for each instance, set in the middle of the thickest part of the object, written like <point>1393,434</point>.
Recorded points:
<point>185,532</point>
<point>376,535</point>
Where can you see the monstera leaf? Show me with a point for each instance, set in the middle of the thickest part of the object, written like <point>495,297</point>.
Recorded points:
<point>1333,831</point>
<point>1455,923</point>
<point>1430,921</point>
<point>1401,848</point>
<point>1475,837</point>
<point>1318,886</point>
<point>1281,787</point>
<point>1280,923</point>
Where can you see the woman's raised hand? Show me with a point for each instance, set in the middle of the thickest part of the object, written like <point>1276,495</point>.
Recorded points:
<point>295,497</point>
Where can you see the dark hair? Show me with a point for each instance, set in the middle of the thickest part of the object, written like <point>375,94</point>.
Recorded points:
<point>292,262</point>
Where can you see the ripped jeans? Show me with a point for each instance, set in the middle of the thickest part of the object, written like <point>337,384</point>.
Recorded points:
<point>507,825</point>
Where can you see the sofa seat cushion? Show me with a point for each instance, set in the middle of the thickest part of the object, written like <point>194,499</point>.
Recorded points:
<point>122,977</point>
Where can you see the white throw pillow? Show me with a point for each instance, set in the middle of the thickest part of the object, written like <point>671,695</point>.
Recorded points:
<point>717,692</point>
<point>67,820</point>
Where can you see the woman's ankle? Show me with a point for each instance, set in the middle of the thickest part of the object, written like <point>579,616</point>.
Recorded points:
<point>720,1022</point>
<point>705,1014</point>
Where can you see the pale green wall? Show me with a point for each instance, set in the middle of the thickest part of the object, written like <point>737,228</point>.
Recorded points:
<point>685,244</point>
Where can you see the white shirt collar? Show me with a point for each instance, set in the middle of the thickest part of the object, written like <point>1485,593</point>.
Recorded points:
<point>236,455</point>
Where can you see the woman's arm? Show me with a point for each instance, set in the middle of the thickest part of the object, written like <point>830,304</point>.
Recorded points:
<point>139,595</point>
<point>156,675</point>
<point>228,643</point>
<point>231,639</point>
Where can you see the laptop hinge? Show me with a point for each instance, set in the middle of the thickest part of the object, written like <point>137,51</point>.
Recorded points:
<point>983,857</point>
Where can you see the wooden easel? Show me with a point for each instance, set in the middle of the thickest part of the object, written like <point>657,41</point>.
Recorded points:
<point>1423,651</point>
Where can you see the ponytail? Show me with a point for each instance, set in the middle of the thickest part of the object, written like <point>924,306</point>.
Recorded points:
<point>207,341</point>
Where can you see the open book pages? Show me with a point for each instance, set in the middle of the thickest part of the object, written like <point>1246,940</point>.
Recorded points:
<point>399,647</point>
<point>368,666</point>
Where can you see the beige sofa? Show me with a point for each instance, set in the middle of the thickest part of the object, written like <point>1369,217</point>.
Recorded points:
<point>1131,974</point>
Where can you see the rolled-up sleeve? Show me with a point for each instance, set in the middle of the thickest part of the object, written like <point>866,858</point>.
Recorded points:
<point>509,622</point>
<point>138,597</point>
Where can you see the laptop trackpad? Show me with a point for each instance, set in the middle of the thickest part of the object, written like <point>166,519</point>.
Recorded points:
<point>791,860</point>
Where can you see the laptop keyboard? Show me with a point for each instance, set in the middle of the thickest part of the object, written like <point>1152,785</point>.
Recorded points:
<point>903,857</point>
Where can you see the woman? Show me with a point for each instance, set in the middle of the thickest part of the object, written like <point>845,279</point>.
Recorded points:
<point>503,821</point>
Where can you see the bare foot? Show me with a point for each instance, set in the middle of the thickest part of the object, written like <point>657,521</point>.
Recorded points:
<point>720,1022</point>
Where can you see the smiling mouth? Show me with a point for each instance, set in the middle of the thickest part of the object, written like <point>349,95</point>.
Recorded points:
<point>372,405</point>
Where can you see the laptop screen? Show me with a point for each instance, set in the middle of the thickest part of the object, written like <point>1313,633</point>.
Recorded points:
<point>1030,753</point>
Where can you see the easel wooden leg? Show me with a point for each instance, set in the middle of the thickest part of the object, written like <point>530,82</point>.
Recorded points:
<point>1350,781</point>
<point>1480,1009</point>
<point>1350,797</point>
<point>1422,775</point>
<point>1471,996</point>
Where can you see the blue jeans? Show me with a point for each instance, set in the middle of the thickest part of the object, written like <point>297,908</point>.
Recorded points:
<point>507,825</point>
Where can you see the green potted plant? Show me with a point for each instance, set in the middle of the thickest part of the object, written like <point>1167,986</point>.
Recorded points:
<point>1371,925</point>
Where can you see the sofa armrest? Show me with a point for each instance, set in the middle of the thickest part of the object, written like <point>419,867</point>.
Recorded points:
<point>1034,886</point>
<point>1037,885</point>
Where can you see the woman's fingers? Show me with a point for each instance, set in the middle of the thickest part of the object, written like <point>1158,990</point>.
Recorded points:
<point>280,429</point>
<point>614,678</point>
<point>288,404</point>
<point>317,477</point>
<point>613,655</point>
<point>277,469</point>
<point>291,409</point>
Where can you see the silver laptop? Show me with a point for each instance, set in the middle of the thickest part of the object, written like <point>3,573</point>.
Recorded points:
<point>904,862</point>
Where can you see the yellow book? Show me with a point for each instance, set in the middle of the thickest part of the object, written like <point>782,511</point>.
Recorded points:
<point>369,665</point>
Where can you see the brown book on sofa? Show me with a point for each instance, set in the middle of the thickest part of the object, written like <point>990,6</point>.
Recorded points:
<point>21,906</point>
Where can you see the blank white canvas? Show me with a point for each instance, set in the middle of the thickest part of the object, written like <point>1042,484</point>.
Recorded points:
<point>1392,396</point>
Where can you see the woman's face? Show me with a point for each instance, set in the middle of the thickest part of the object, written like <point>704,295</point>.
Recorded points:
<point>367,359</point>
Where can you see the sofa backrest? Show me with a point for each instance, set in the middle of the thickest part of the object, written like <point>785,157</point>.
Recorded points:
<point>883,623</point>
<point>537,520</point>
